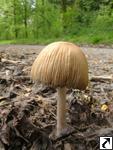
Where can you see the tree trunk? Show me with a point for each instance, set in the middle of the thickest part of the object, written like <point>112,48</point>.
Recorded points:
<point>43,17</point>
<point>25,19</point>
<point>63,10</point>
<point>15,22</point>
<point>36,28</point>
<point>64,5</point>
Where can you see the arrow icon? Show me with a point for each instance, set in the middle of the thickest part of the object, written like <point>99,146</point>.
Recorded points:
<point>107,141</point>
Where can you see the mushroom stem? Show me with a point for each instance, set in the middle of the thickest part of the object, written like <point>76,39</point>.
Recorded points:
<point>61,110</point>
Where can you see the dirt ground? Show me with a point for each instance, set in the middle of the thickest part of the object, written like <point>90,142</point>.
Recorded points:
<point>28,110</point>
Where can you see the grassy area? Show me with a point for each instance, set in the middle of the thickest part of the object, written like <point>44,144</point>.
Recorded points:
<point>2,42</point>
<point>86,36</point>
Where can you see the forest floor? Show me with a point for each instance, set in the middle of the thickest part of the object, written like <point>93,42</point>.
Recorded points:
<point>28,111</point>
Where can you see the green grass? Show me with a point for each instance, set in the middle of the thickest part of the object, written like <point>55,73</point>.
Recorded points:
<point>30,41</point>
<point>92,36</point>
<point>84,36</point>
<point>2,42</point>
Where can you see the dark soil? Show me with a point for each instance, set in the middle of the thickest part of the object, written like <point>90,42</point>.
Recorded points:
<point>28,110</point>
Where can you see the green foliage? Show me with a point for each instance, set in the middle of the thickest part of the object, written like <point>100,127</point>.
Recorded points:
<point>44,21</point>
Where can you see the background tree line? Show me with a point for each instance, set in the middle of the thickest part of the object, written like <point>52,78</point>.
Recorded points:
<point>42,20</point>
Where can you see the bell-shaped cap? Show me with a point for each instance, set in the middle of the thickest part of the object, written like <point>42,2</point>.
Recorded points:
<point>61,64</point>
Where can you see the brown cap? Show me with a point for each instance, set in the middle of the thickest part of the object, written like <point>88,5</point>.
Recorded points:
<point>61,64</point>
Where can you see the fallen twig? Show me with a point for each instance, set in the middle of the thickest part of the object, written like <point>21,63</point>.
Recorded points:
<point>9,61</point>
<point>65,136</point>
<point>101,78</point>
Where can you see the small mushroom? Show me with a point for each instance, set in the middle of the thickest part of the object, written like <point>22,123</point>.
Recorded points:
<point>61,65</point>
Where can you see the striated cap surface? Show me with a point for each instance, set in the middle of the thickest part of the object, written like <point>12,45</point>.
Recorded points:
<point>61,64</point>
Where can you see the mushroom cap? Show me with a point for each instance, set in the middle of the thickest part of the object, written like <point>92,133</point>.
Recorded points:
<point>61,64</point>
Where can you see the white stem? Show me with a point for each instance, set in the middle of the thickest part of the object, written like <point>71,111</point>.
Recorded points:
<point>61,110</point>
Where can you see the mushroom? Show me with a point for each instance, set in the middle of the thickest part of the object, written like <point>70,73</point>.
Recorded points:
<point>61,65</point>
